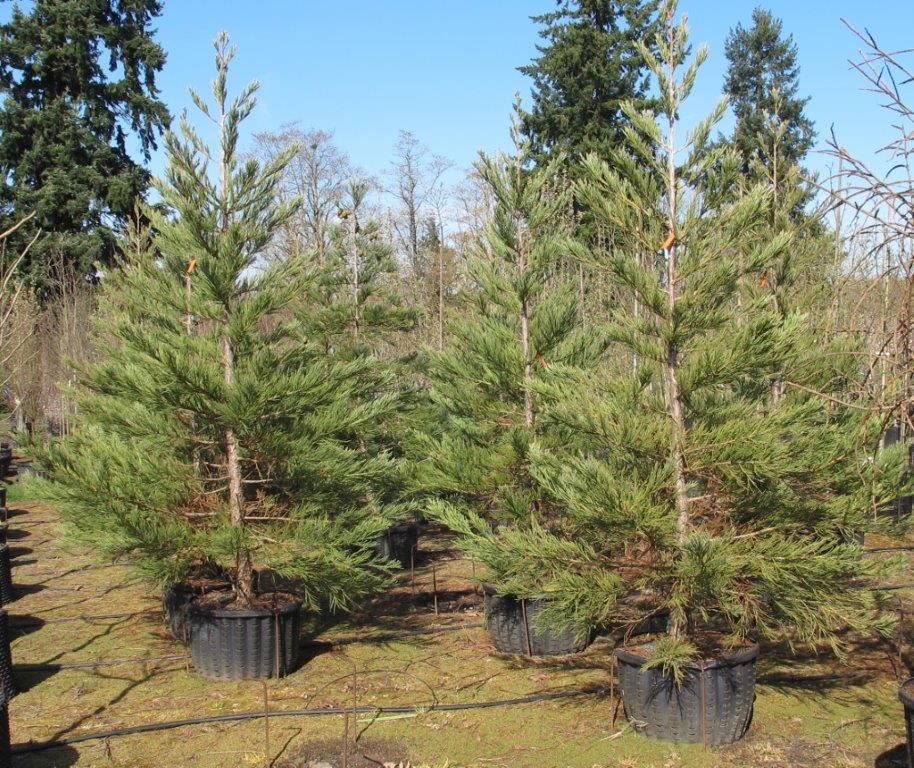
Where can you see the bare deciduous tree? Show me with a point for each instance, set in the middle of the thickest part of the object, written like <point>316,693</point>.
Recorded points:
<point>876,211</point>
<point>317,174</point>
<point>416,183</point>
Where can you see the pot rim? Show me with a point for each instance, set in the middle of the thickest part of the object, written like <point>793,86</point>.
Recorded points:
<point>490,590</point>
<point>183,586</point>
<point>246,613</point>
<point>402,527</point>
<point>739,656</point>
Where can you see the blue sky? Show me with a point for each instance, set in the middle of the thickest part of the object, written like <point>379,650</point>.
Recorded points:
<point>446,69</point>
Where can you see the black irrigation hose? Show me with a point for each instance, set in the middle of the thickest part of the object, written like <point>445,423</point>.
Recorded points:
<point>24,749</point>
<point>906,548</point>
<point>889,588</point>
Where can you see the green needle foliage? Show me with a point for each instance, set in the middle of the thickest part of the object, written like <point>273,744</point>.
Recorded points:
<point>355,314</point>
<point>515,348</point>
<point>588,65</point>
<point>694,491</point>
<point>214,429</point>
<point>357,309</point>
<point>762,82</point>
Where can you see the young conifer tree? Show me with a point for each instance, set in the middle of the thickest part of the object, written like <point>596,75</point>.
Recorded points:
<point>691,489</point>
<point>490,387</point>
<point>796,283</point>
<point>213,429</point>
<point>355,313</point>
<point>357,309</point>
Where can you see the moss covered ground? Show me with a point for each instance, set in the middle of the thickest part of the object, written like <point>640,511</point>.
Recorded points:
<point>811,709</point>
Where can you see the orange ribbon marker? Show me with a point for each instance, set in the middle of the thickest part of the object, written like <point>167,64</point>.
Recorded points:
<point>670,240</point>
<point>190,267</point>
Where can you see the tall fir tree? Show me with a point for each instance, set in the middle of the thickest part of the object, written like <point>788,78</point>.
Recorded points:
<point>588,66</point>
<point>492,385</point>
<point>762,83</point>
<point>692,492</point>
<point>79,83</point>
<point>213,429</point>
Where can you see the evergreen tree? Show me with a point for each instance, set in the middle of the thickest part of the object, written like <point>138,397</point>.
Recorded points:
<point>354,312</point>
<point>691,487</point>
<point>213,429</point>
<point>78,78</point>
<point>588,66</point>
<point>763,85</point>
<point>492,385</point>
<point>357,309</point>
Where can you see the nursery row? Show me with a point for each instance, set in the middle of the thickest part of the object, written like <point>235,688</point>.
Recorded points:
<point>697,471</point>
<point>7,596</point>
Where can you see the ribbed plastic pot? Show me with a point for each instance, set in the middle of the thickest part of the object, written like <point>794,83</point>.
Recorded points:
<point>175,599</point>
<point>713,704</point>
<point>6,755</point>
<point>245,644</point>
<point>6,576</point>
<point>511,624</point>
<point>4,530</point>
<point>3,498</point>
<point>7,689</point>
<point>399,543</point>
<point>906,694</point>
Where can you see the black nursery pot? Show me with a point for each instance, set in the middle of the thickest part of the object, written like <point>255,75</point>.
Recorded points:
<point>6,576</point>
<point>7,689</point>
<point>906,694</point>
<point>713,704</point>
<point>230,644</point>
<point>175,600</point>
<point>399,543</point>
<point>6,753</point>
<point>511,623</point>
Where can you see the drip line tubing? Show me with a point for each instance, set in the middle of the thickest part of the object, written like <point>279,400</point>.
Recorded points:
<point>23,749</point>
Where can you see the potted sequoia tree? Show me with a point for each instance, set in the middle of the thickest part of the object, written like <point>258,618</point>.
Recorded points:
<point>215,436</point>
<point>490,387</point>
<point>357,312</point>
<point>694,494</point>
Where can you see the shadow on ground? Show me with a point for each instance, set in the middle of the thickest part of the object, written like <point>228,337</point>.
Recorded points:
<point>55,757</point>
<point>896,757</point>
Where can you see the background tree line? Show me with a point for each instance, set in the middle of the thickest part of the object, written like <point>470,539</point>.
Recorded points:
<point>81,116</point>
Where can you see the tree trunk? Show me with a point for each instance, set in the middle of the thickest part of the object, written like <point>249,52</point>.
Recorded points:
<point>440,282</point>
<point>354,255</point>
<point>525,328</point>
<point>678,618</point>
<point>244,572</point>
